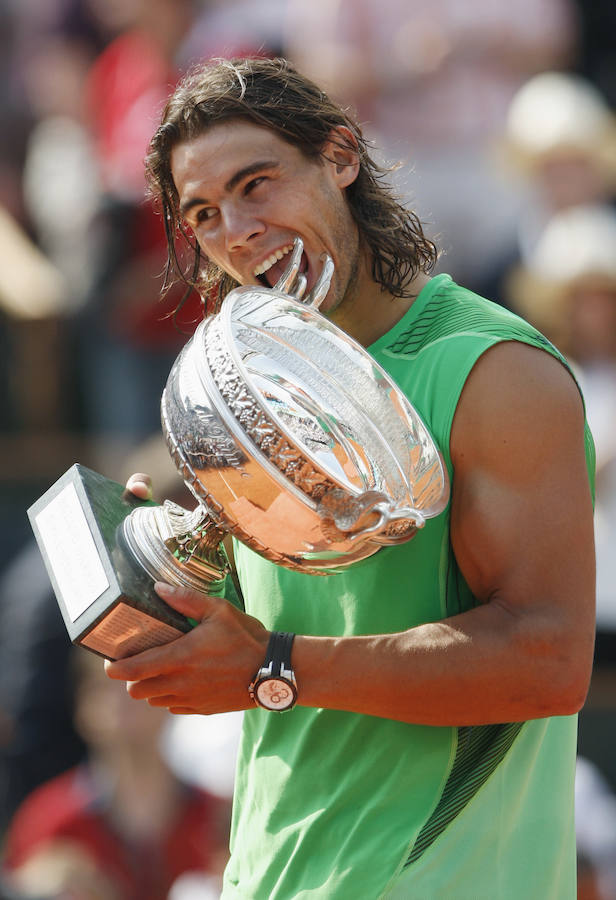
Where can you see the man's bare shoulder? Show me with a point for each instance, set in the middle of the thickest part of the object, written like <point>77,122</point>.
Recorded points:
<point>516,397</point>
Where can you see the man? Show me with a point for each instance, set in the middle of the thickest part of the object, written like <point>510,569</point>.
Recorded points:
<point>394,776</point>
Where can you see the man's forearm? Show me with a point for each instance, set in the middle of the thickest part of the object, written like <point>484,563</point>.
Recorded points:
<point>480,667</point>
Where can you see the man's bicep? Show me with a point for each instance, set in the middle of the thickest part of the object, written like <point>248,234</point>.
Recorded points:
<point>521,509</point>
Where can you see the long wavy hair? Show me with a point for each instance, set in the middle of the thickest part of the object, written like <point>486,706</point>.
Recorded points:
<point>272,93</point>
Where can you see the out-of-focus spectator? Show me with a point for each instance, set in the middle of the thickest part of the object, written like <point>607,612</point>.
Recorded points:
<point>127,88</point>
<point>49,48</point>
<point>29,28</point>
<point>61,182</point>
<point>31,287</point>
<point>121,826</point>
<point>433,83</point>
<point>127,340</point>
<point>33,294</point>
<point>560,143</point>
<point>567,287</point>
<point>561,133</point>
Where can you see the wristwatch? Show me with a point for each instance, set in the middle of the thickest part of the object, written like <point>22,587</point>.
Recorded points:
<point>274,686</point>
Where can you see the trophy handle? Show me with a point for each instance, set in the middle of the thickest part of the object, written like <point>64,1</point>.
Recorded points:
<point>293,283</point>
<point>371,515</point>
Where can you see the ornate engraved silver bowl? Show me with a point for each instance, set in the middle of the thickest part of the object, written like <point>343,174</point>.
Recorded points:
<point>291,435</point>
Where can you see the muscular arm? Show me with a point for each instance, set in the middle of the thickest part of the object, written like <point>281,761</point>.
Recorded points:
<point>522,533</point>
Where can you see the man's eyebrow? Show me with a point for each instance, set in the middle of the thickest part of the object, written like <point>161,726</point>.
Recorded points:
<point>235,179</point>
<point>252,169</point>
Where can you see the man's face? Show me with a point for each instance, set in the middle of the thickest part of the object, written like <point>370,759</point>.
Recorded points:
<point>246,193</point>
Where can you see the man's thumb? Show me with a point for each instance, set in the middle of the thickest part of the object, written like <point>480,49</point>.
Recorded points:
<point>187,601</point>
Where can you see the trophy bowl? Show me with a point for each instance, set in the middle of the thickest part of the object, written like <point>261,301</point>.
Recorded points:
<point>292,436</point>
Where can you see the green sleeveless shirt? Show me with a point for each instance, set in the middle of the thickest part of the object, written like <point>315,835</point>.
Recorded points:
<point>338,805</point>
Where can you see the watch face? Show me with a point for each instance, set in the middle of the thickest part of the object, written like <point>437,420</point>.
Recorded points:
<point>275,693</point>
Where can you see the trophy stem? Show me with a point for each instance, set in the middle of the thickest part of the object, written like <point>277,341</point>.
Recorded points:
<point>179,546</point>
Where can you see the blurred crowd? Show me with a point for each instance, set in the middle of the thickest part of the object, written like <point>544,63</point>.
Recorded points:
<point>498,120</point>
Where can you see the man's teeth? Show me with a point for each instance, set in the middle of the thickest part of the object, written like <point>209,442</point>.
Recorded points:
<point>269,262</point>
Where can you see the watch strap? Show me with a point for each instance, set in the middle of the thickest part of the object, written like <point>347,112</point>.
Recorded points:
<point>278,652</point>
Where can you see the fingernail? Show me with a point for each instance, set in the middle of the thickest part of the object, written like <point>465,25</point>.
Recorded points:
<point>162,586</point>
<point>146,487</point>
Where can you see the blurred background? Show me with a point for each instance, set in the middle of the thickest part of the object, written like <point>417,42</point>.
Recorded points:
<point>501,117</point>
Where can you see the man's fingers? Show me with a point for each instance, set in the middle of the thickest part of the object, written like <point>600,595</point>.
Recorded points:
<point>155,690</point>
<point>142,665</point>
<point>140,485</point>
<point>189,602</point>
<point>165,658</point>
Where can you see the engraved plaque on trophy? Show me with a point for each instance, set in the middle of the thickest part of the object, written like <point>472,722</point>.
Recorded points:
<point>103,549</point>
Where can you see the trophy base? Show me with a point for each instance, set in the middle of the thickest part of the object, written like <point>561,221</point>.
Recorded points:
<point>106,598</point>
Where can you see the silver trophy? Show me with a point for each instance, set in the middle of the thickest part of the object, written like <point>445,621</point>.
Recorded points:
<point>290,437</point>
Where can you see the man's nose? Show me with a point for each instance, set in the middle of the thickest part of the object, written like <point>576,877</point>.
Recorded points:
<point>241,226</point>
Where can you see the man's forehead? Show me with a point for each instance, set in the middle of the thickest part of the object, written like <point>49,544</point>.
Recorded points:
<point>224,146</point>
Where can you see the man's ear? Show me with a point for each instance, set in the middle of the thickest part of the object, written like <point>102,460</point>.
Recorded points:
<point>342,153</point>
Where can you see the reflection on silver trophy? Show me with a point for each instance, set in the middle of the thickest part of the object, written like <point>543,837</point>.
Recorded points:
<point>291,438</point>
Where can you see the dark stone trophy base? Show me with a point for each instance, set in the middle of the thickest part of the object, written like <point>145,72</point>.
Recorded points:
<point>106,598</point>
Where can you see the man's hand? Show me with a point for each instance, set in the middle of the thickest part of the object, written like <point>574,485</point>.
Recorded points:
<point>205,671</point>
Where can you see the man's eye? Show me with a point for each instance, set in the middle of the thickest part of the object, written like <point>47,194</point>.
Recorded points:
<point>205,214</point>
<point>253,183</point>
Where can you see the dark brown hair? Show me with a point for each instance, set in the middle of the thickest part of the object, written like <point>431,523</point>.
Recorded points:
<point>271,93</point>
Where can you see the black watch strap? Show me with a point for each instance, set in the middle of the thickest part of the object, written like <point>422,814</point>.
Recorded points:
<point>279,651</point>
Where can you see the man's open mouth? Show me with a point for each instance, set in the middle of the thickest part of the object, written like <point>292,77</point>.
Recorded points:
<point>271,269</point>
